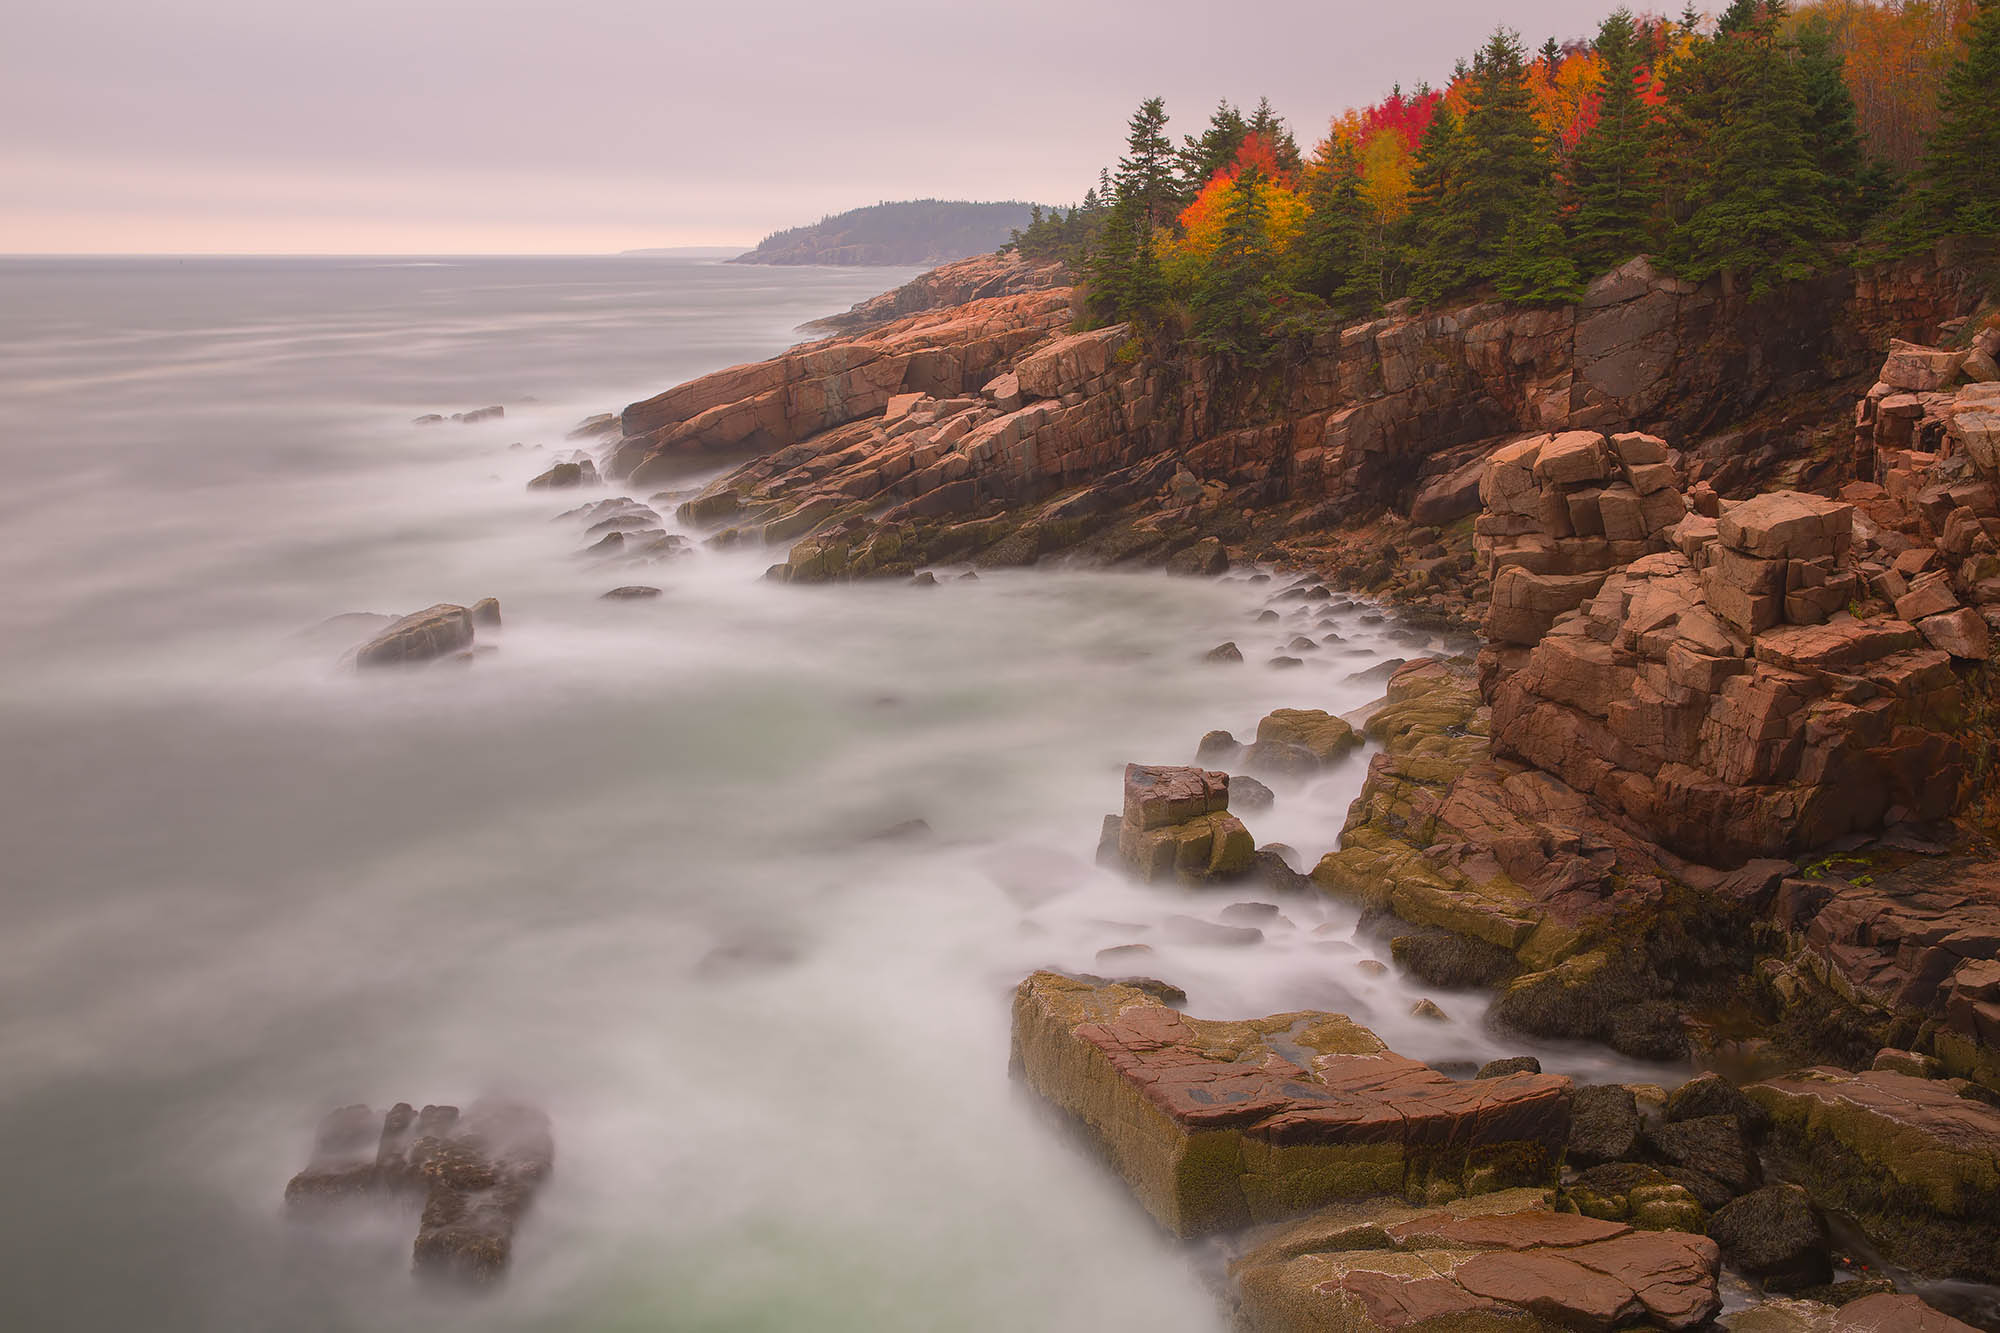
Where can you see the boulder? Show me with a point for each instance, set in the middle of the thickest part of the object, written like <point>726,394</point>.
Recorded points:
<point>1714,1145</point>
<point>565,475</point>
<point>1224,653</point>
<point>476,1175</point>
<point>1963,633</point>
<point>1775,1235</point>
<point>485,613</point>
<point>1296,742</point>
<point>1788,525</point>
<point>428,634</point>
<point>1604,1124</point>
<point>1712,1095</point>
<point>1914,368</point>
<point>1513,1064</point>
<point>1177,824</point>
<point>1504,1264</point>
<point>1215,1125</point>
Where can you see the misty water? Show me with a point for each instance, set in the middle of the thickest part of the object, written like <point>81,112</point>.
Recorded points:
<point>631,865</point>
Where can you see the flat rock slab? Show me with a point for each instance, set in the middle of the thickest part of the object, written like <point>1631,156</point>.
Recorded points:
<point>1915,1162</point>
<point>1503,1262</point>
<point>1216,1125</point>
<point>476,1172</point>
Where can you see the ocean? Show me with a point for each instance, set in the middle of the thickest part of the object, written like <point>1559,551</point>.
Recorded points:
<point>650,865</point>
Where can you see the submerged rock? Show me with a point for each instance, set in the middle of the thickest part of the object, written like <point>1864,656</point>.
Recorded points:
<point>1218,1124</point>
<point>477,1174</point>
<point>428,634</point>
<point>631,592</point>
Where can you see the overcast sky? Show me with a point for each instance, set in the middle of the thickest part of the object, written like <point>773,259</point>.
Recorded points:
<point>462,126</point>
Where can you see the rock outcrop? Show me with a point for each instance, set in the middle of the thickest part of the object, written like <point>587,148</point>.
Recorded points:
<point>793,401</point>
<point>1215,1125</point>
<point>476,1173</point>
<point>976,279</point>
<point>1504,1262</point>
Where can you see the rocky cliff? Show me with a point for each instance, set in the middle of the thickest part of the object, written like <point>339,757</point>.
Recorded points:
<point>1012,437</point>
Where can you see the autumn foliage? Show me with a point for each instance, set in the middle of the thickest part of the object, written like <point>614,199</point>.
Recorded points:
<point>1757,145</point>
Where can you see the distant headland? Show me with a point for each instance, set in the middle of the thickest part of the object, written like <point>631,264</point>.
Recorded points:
<point>917,231</point>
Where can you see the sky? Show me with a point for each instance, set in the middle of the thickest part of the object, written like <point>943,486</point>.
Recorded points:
<point>590,126</point>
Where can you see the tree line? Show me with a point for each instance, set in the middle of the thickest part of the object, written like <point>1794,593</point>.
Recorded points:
<point>1734,149</point>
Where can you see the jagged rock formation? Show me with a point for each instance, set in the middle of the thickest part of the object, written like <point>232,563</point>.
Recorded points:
<point>1215,1125</point>
<point>793,401</point>
<point>477,1174</point>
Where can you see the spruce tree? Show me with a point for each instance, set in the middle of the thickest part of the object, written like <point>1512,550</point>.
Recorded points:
<point>1271,127</point>
<point>1614,183</point>
<point>1535,265</point>
<point>1438,251</point>
<point>1502,170</point>
<point>1331,259</point>
<point>1124,269</point>
<point>1199,159</point>
<point>1233,298</point>
<point>1833,130</point>
<point>1957,192</point>
<point>1756,205</point>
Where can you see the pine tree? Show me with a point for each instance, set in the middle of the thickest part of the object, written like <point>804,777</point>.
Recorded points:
<point>1146,172</point>
<point>1614,182</point>
<point>1755,205</point>
<point>1956,190</point>
<point>1332,258</point>
<point>1233,298</point>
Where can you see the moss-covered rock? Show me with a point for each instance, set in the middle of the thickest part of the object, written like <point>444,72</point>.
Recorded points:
<point>1215,1125</point>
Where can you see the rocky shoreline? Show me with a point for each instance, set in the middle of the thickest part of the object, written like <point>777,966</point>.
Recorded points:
<point>1710,786</point>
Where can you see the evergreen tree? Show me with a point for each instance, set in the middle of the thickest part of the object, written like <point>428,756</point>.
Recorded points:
<point>1614,182</point>
<point>1333,255</point>
<point>1756,206</point>
<point>1833,131</point>
<point>1146,172</point>
<point>1956,186</point>
<point>1503,170</point>
<point>1271,127</point>
<point>1535,265</point>
<point>1124,269</point>
<point>1438,250</point>
<point>1233,299</point>
<point>1199,159</point>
